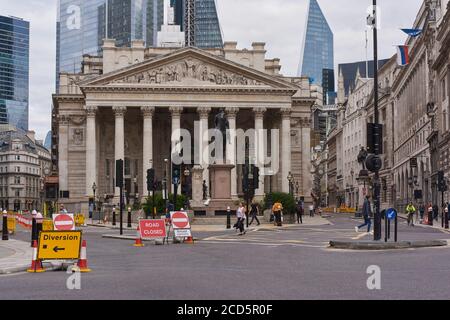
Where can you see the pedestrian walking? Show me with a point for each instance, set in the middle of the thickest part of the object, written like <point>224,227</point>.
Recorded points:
<point>367,212</point>
<point>430,212</point>
<point>300,211</point>
<point>435,212</point>
<point>277,212</point>
<point>311,210</point>
<point>421,213</point>
<point>410,211</point>
<point>254,211</point>
<point>240,213</point>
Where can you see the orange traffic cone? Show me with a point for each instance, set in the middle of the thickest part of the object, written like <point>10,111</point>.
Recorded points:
<point>138,242</point>
<point>36,265</point>
<point>189,240</point>
<point>82,262</point>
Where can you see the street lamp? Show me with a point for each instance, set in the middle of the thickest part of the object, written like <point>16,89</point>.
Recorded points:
<point>166,171</point>
<point>94,189</point>
<point>187,174</point>
<point>269,198</point>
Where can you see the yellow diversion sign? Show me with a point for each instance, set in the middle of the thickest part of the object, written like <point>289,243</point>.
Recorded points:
<point>59,245</point>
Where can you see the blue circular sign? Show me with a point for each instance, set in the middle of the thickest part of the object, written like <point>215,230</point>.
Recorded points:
<point>391,214</point>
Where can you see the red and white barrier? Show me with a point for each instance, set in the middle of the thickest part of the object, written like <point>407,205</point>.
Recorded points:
<point>36,265</point>
<point>82,262</point>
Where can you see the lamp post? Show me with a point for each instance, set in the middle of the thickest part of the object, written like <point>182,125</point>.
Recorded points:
<point>269,198</point>
<point>166,171</point>
<point>94,189</point>
<point>187,174</point>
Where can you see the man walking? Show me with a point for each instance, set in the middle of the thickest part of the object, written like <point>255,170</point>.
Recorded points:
<point>277,212</point>
<point>410,211</point>
<point>300,211</point>
<point>254,211</point>
<point>311,210</point>
<point>367,211</point>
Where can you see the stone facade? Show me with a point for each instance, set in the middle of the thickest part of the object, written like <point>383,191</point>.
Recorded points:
<point>24,162</point>
<point>129,109</point>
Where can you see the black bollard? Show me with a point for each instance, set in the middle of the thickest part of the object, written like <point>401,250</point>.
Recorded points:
<point>129,218</point>
<point>430,218</point>
<point>114,216</point>
<point>446,220</point>
<point>228,218</point>
<point>5,235</point>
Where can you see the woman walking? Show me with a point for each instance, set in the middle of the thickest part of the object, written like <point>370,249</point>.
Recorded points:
<point>240,213</point>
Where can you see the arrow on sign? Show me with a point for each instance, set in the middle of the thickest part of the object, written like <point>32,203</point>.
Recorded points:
<point>56,249</point>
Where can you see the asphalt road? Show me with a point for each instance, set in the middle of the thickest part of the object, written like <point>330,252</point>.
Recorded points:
<point>285,264</point>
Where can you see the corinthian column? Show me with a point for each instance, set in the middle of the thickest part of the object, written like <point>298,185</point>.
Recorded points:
<point>204,142</point>
<point>260,150</point>
<point>285,148</point>
<point>231,150</point>
<point>147,147</point>
<point>119,145</point>
<point>91,150</point>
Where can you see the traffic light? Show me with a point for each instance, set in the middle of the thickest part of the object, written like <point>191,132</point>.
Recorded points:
<point>442,186</point>
<point>375,138</point>
<point>245,180</point>
<point>255,177</point>
<point>150,179</point>
<point>119,173</point>
<point>176,175</point>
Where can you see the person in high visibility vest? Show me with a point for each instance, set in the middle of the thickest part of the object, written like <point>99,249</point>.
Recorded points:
<point>410,211</point>
<point>277,212</point>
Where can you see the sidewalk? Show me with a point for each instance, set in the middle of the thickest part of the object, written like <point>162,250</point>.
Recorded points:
<point>15,256</point>
<point>436,224</point>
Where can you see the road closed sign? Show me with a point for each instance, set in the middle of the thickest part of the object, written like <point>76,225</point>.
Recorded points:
<point>180,220</point>
<point>59,245</point>
<point>64,222</point>
<point>152,229</point>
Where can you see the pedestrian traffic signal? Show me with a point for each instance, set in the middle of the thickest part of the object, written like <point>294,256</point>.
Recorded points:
<point>255,178</point>
<point>176,175</point>
<point>245,179</point>
<point>119,173</point>
<point>442,186</point>
<point>375,138</point>
<point>150,179</point>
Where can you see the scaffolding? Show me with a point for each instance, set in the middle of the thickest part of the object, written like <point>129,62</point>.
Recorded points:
<point>189,23</point>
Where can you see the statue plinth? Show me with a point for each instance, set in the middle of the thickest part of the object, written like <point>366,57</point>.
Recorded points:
<point>220,177</point>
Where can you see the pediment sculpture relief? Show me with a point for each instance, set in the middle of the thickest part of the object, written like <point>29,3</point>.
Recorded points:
<point>190,69</point>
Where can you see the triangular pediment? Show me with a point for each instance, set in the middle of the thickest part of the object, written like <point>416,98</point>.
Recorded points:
<point>189,67</point>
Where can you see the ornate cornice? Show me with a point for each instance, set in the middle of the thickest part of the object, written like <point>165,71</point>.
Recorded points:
<point>119,111</point>
<point>148,112</point>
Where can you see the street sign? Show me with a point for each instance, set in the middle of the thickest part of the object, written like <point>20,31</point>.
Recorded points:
<point>152,229</point>
<point>391,214</point>
<point>180,220</point>
<point>183,233</point>
<point>59,245</point>
<point>64,222</point>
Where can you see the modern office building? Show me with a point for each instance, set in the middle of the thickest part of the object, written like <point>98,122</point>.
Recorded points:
<point>328,86</point>
<point>350,70</point>
<point>82,26</point>
<point>207,31</point>
<point>14,71</point>
<point>317,51</point>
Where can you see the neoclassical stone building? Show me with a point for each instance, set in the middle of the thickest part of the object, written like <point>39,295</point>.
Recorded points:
<point>126,104</point>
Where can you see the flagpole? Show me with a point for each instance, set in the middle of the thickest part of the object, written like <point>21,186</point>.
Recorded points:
<point>367,55</point>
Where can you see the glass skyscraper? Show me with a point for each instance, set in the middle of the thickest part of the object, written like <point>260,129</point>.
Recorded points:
<point>81,27</point>
<point>208,33</point>
<point>14,71</point>
<point>317,50</point>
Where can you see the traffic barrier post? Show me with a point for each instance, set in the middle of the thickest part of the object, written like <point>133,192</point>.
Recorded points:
<point>36,265</point>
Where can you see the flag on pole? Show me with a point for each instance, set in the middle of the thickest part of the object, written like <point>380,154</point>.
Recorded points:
<point>403,55</point>
<point>412,32</point>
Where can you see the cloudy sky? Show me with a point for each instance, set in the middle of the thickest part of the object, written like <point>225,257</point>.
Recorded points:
<point>279,23</point>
